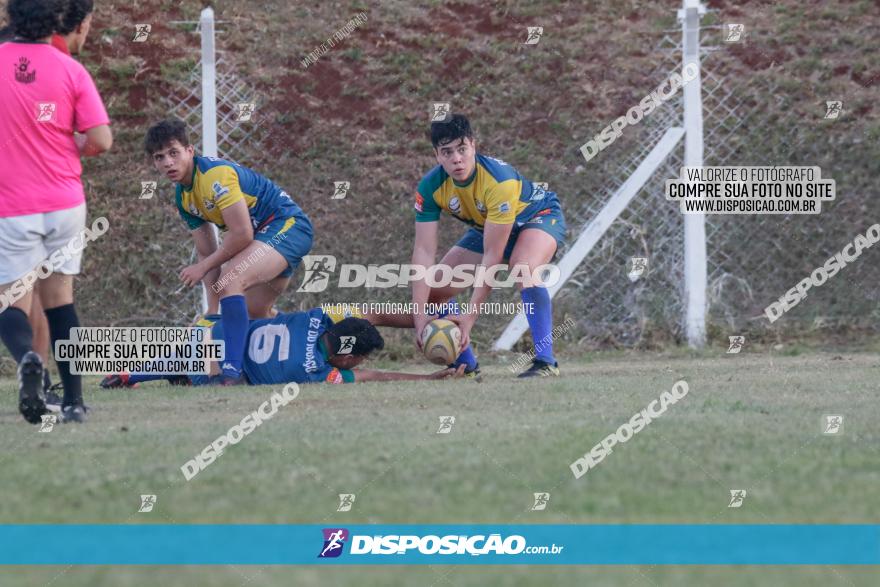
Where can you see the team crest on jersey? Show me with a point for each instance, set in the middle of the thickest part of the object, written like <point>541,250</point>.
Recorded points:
<point>193,210</point>
<point>219,189</point>
<point>334,376</point>
<point>481,207</point>
<point>420,202</point>
<point>455,205</point>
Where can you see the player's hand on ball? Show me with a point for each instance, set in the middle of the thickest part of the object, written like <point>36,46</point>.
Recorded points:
<point>193,274</point>
<point>419,323</point>
<point>449,372</point>
<point>465,322</point>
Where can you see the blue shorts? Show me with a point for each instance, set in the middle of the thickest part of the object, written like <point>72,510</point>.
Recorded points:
<point>291,236</point>
<point>549,219</point>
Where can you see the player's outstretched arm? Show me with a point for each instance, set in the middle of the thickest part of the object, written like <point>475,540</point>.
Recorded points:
<point>402,320</point>
<point>424,253</point>
<point>362,375</point>
<point>206,245</point>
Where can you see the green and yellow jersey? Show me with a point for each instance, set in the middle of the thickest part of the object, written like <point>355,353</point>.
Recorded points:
<point>217,184</point>
<point>495,192</point>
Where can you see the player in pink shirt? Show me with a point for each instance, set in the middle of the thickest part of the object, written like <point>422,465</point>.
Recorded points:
<point>45,97</point>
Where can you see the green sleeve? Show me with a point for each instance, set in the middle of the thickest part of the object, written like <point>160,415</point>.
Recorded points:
<point>193,222</point>
<point>426,207</point>
<point>347,375</point>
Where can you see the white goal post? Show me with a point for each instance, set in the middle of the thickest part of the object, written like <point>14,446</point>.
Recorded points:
<point>695,259</point>
<point>209,104</point>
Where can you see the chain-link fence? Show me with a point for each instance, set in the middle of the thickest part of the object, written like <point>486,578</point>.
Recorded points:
<point>753,260</point>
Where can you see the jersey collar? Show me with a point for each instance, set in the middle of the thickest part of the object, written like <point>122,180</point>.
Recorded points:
<point>29,41</point>
<point>469,180</point>
<point>192,180</point>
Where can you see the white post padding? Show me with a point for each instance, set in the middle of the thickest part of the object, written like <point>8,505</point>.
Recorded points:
<point>593,231</point>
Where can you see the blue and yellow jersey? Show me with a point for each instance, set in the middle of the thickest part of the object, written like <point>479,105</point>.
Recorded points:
<point>495,193</point>
<point>218,184</point>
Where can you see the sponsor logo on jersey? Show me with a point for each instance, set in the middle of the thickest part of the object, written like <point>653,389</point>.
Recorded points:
<point>219,189</point>
<point>334,376</point>
<point>310,365</point>
<point>504,207</point>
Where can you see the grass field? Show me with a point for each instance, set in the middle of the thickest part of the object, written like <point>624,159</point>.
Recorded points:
<point>749,422</point>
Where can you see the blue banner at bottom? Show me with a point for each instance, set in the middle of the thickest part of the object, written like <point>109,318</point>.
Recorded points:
<point>440,544</point>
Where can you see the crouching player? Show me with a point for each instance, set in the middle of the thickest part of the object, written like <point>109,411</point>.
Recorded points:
<point>300,347</point>
<point>510,219</point>
<point>266,234</point>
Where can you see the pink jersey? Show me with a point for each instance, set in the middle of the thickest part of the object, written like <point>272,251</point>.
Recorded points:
<point>45,96</point>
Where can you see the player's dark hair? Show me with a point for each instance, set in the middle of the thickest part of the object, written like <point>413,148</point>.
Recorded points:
<point>76,13</point>
<point>6,34</point>
<point>366,337</point>
<point>162,133</point>
<point>35,19</point>
<point>457,127</point>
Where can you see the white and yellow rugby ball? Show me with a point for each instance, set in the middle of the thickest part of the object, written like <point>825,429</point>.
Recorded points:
<point>441,340</point>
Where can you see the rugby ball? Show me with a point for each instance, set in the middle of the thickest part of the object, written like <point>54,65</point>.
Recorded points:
<point>441,340</point>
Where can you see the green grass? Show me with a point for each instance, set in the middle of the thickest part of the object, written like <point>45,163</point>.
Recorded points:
<point>749,422</point>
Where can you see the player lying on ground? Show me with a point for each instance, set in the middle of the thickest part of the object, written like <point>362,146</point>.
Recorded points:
<point>300,347</point>
<point>266,234</point>
<point>510,218</point>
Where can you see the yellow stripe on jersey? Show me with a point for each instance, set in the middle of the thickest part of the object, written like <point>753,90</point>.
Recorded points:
<point>339,312</point>
<point>213,191</point>
<point>290,222</point>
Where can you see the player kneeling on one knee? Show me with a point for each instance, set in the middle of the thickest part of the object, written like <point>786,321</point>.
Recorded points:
<point>266,233</point>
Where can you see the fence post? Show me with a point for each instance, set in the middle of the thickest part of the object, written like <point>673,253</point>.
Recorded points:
<point>695,271</point>
<point>209,103</point>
